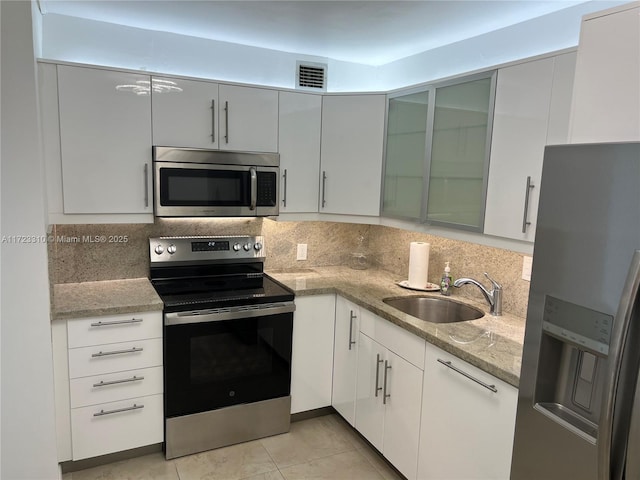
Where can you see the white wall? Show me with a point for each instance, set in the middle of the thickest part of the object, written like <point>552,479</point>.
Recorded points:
<point>27,423</point>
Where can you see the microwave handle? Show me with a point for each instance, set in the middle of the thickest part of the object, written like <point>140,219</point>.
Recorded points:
<point>254,188</point>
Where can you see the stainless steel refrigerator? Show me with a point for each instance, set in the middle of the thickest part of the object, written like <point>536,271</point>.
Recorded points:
<point>578,411</point>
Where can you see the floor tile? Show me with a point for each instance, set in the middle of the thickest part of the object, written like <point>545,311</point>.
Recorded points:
<point>275,475</point>
<point>308,440</point>
<point>228,463</point>
<point>147,467</point>
<point>344,466</point>
<point>380,464</point>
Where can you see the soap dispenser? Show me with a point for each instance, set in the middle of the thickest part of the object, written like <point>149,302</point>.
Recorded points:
<point>445,283</point>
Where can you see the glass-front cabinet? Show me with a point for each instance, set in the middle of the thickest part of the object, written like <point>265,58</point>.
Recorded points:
<point>437,152</point>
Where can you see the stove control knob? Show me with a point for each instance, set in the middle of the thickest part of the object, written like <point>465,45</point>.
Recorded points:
<point>159,249</point>
<point>236,247</point>
<point>257,246</point>
<point>247,247</point>
<point>171,249</point>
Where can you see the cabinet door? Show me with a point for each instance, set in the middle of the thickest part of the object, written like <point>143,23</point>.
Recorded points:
<point>345,359</point>
<point>249,119</point>
<point>185,113</point>
<point>351,154</point>
<point>466,429</point>
<point>312,354</point>
<point>521,114</point>
<point>403,384</point>
<point>369,406</point>
<point>299,144</point>
<point>105,135</point>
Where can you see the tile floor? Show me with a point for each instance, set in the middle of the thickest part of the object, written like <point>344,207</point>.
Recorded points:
<point>319,448</point>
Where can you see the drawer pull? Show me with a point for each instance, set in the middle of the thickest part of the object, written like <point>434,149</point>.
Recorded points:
<point>102,383</point>
<point>116,322</point>
<point>447,363</point>
<point>116,352</point>
<point>118,410</point>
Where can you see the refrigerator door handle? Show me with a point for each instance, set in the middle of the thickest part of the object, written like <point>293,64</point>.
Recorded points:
<point>614,420</point>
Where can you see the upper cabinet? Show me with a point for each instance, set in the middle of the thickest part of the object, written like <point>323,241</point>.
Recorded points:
<point>351,154</point>
<point>185,113</point>
<point>531,111</point>
<point>299,144</point>
<point>200,114</point>
<point>606,97</point>
<point>105,140</point>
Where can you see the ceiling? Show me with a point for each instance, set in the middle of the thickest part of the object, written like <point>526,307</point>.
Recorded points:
<point>365,32</point>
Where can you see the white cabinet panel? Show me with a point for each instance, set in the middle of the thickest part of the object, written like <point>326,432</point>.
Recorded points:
<point>299,145</point>
<point>187,117</point>
<point>312,354</point>
<point>87,331</point>
<point>248,119</point>
<point>564,69</point>
<point>369,406</point>
<point>345,358</point>
<point>351,154</point>
<point>105,137</point>
<point>466,429</point>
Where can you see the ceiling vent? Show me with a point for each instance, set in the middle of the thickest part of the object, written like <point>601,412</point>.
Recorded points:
<point>311,76</point>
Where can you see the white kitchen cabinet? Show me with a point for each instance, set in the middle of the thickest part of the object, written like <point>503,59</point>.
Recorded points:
<point>299,125</point>
<point>466,429</point>
<point>312,354</point>
<point>185,113</point>
<point>105,141</point>
<point>606,96</point>
<point>248,119</point>
<point>531,110</point>
<point>345,358</point>
<point>388,393</point>
<point>351,154</point>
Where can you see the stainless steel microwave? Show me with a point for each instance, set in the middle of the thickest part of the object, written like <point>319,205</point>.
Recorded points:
<point>193,182</point>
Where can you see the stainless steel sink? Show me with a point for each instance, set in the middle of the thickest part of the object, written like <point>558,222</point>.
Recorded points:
<point>435,309</point>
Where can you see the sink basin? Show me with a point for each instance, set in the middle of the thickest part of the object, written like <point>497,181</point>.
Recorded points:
<point>434,309</point>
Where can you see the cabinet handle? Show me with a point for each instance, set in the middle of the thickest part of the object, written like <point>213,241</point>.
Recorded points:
<point>284,194</point>
<point>116,352</point>
<point>146,185</point>
<point>351,318</point>
<point>447,363</point>
<point>213,121</point>
<point>118,410</point>
<point>378,362</point>
<point>254,188</point>
<point>525,223</point>
<point>324,183</point>
<point>102,383</point>
<point>226,122</point>
<point>116,322</point>
<point>385,395</point>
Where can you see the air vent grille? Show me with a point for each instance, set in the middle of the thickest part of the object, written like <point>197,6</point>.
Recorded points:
<point>312,76</point>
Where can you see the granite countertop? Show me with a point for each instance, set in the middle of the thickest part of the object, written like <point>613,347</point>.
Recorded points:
<point>468,340</point>
<point>108,297</point>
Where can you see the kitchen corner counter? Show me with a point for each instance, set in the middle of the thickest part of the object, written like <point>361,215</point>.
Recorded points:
<point>108,297</point>
<point>499,354</point>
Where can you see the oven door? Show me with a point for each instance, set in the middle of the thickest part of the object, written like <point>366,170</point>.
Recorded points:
<point>193,190</point>
<point>226,357</point>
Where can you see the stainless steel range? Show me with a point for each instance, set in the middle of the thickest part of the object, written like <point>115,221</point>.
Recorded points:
<point>227,342</point>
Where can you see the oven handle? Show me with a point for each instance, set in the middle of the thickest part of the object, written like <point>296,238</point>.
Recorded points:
<point>228,313</point>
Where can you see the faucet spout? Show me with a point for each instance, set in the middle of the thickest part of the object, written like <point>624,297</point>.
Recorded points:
<point>493,297</point>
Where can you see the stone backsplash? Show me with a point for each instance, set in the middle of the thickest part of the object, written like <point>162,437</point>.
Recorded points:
<point>81,253</point>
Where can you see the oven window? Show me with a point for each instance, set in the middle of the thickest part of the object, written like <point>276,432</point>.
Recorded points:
<point>204,187</point>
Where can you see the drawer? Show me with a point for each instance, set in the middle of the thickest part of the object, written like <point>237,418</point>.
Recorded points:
<point>114,357</point>
<point>111,387</point>
<point>83,332</point>
<point>116,426</point>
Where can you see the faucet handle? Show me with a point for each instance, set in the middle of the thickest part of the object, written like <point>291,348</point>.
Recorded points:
<point>496,285</point>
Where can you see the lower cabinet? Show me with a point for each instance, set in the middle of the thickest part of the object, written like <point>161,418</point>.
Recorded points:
<point>466,428</point>
<point>312,352</point>
<point>345,359</point>
<point>389,392</point>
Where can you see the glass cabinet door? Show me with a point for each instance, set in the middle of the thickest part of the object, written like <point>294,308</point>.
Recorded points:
<point>459,159</point>
<point>405,155</point>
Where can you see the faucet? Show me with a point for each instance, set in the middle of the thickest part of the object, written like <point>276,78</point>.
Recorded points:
<point>494,297</point>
